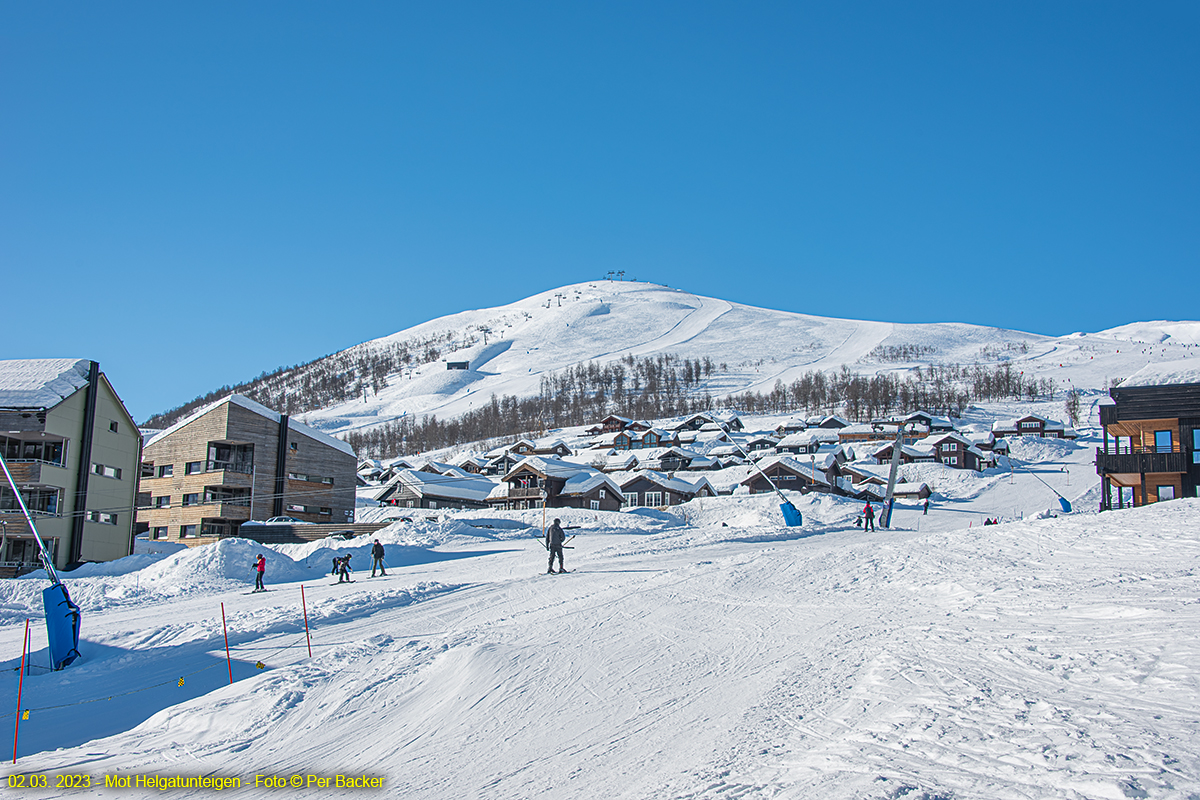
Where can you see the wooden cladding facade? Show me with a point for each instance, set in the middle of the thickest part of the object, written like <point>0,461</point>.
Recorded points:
<point>196,498</point>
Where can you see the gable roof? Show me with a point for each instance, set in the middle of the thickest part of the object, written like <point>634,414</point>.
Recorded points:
<point>262,411</point>
<point>429,484</point>
<point>580,479</point>
<point>41,382</point>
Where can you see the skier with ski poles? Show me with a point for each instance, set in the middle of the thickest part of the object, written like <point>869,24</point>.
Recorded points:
<point>377,559</point>
<point>260,567</point>
<point>554,543</point>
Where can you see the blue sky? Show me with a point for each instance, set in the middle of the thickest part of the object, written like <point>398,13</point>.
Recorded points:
<point>193,193</point>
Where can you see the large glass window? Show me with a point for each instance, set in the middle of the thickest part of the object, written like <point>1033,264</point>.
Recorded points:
<point>38,501</point>
<point>50,451</point>
<point>1166,492</point>
<point>1162,441</point>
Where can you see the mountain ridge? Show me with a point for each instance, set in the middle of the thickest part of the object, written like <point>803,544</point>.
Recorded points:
<point>510,348</point>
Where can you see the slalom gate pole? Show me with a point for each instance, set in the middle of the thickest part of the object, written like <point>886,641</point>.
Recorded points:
<point>20,683</point>
<point>228,659</point>
<point>304,606</point>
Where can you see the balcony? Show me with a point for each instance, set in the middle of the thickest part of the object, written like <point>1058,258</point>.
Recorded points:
<point>243,467</point>
<point>1132,460</point>
<point>521,491</point>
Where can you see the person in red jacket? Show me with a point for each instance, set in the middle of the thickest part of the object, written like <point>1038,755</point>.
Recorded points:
<point>260,567</point>
<point>868,517</point>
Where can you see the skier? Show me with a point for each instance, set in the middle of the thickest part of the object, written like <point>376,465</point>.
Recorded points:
<point>260,567</point>
<point>344,569</point>
<point>554,543</point>
<point>377,555</point>
<point>926,511</point>
<point>869,516</point>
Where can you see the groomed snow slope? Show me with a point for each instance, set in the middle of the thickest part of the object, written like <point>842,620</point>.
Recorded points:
<point>684,659</point>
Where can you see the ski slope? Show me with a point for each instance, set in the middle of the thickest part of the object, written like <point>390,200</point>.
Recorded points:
<point>709,652</point>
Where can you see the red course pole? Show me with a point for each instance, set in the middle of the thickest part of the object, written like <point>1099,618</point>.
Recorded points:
<point>20,683</point>
<point>227,658</point>
<point>304,606</point>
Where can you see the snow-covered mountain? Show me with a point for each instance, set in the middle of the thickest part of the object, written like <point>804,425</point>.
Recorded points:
<point>510,348</point>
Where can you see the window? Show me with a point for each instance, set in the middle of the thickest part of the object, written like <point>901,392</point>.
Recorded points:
<point>160,532</point>
<point>164,501</point>
<point>326,512</point>
<point>192,499</point>
<point>300,476</point>
<point>49,451</point>
<point>1030,426</point>
<point>654,498</point>
<point>113,426</point>
<point>1196,446</point>
<point>950,460</point>
<point>950,446</point>
<point>38,501</point>
<point>630,498</point>
<point>293,446</point>
<point>433,503</point>
<point>166,470</point>
<point>187,531</point>
<point>601,494</point>
<point>108,472</point>
<point>595,504</point>
<point>147,470</point>
<point>1165,492</point>
<point>102,517</point>
<point>785,477</point>
<point>1162,441</point>
<point>193,467</point>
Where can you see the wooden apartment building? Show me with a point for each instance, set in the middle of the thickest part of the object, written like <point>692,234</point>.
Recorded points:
<point>237,460</point>
<point>1151,446</point>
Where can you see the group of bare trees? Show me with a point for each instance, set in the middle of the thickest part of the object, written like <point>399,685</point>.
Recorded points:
<point>657,387</point>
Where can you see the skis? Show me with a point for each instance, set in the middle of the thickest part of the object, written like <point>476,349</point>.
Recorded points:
<point>256,591</point>
<point>338,583</point>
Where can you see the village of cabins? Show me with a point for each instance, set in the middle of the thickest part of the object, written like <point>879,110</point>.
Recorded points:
<point>623,463</point>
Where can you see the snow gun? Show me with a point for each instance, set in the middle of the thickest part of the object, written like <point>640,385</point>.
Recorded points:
<point>1062,501</point>
<point>62,616</point>
<point>791,515</point>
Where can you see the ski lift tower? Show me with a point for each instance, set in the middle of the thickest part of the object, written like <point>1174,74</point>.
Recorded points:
<point>62,616</point>
<point>889,499</point>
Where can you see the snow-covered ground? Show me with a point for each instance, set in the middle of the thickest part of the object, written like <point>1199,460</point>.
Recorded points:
<point>705,652</point>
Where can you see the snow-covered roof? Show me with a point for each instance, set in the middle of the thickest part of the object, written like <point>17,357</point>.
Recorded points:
<point>809,437</point>
<point>794,465</point>
<point>1011,424</point>
<point>262,411</point>
<point>676,484</point>
<point>41,382</point>
<point>429,484</point>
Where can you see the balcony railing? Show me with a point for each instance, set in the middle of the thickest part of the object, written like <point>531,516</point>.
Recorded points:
<point>244,467</point>
<point>1141,459</point>
<point>522,491</point>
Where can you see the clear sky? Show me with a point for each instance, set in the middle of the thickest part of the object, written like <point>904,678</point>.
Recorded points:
<point>192,193</point>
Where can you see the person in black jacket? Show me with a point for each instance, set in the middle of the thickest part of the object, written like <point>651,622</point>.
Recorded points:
<point>554,543</point>
<point>377,556</point>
